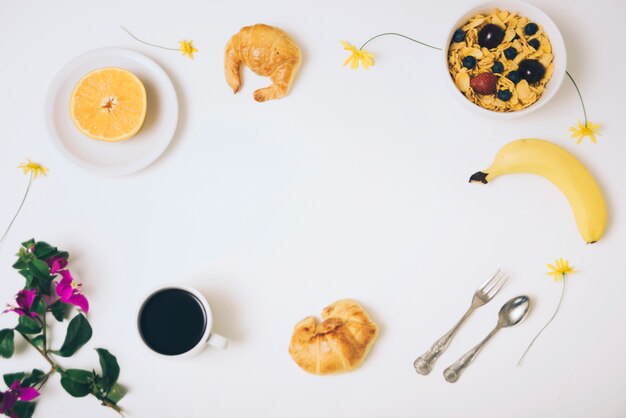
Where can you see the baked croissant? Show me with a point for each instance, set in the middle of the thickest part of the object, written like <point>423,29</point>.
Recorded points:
<point>266,50</point>
<point>338,344</point>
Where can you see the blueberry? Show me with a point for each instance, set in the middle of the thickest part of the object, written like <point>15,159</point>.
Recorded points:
<point>530,29</point>
<point>459,36</point>
<point>514,76</point>
<point>532,71</point>
<point>497,67</point>
<point>469,62</point>
<point>510,53</point>
<point>504,95</point>
<point>490,36</point>
<point>534,43</point>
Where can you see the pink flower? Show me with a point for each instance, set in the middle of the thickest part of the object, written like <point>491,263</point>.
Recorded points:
<point>56,263</point>
<point>69,292</point>
<point>16,392</point>
<point>24,299</point>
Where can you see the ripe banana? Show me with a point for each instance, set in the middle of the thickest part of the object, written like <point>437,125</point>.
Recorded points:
<point>546,159</point>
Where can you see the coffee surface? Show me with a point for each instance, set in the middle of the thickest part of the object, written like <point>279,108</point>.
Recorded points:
<point>172,321</point>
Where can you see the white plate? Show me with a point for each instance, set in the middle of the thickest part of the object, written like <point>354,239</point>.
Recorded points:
<point>113,158</point>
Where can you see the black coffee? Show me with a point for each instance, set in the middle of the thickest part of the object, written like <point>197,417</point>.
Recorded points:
<point>172,321</point>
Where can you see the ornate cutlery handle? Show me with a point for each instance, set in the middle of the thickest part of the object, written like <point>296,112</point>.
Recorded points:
<point>452,373</point>
<point>424,363</point>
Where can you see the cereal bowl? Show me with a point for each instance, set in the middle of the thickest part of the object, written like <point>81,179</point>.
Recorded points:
<point>512,52</point>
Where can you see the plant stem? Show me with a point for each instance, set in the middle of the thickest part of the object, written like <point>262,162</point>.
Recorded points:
<point>45,338</point>
<point>53,365</point>
<point>143,42</point>
<point>580,96</point>
<point>402,36</point>
<point>519,363</point>
<point>114,407</point>
<point>30,181</point>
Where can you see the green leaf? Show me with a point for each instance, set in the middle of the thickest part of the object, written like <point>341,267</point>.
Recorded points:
<point>39,269</point>
<point>6,343</point>
<point>24,409</point>
<point>20,264</point>
<point>58,310</point>
<point>39,305</point>
<point>38,341</point>
<point>43,250</point>
<point>35,377</point>
<point>78,333</point>
<point>27,275</point>
<point>41,275</point>
<point>27,325</point>
<point>77,382</point>
<point>116,393</point>
<point>110,368</point>
<point>9,378</point>
<point>29,243</point>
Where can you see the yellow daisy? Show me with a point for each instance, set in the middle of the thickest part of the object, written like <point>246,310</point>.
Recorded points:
<point>581,130</point>
<point>186,47</point>
<point>560,269</point>
<point>358,56</point>
<point>34,169</point>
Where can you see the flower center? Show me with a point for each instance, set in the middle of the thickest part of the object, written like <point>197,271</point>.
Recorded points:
<point>109,103</point>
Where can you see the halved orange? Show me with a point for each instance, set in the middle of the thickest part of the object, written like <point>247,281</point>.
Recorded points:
<point>109,104</point>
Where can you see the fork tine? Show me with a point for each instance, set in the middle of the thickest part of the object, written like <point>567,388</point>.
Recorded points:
<point>496,287</point>
<point>494,282</point>
<point>488,281</point>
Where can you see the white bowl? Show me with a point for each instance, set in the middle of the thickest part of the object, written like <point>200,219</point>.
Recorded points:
<point>534,15</point>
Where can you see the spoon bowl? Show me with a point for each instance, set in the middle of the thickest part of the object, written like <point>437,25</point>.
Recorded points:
<point>514,311</point>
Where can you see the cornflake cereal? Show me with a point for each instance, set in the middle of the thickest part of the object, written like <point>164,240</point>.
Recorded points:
<point>523,42</point>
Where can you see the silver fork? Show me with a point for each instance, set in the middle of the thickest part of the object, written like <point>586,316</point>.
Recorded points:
<point>424,363</point>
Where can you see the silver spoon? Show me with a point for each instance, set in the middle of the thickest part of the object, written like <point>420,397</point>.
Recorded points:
<point>512,313</point>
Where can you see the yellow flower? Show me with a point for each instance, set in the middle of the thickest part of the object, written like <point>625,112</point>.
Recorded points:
<point>34,169</point>
<point>560,269</point>
<point>358,55</point>
<point>581,131</point>
<point>186,47</point>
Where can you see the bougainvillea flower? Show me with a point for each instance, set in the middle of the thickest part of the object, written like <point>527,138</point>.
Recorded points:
<point>16,392</point>
<point>56,263</point>
<point>24,300</point>
<point>24,393</point>
<point>69,291</point>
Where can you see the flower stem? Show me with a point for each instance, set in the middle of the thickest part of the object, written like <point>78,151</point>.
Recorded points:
<point>52,363</point>
<point>146,43</point>
<point>521,360</point>
<point>582,103</point>
<point>45,338</point>
<point>30,181</point>
<point>114,407</point>
<point>400,35</point>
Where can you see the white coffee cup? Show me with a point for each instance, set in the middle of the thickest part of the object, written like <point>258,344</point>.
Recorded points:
<point>208,337</point>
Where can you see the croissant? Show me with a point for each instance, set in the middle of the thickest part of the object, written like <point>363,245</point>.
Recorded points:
<point>267,51</point>
<point>338,344</point>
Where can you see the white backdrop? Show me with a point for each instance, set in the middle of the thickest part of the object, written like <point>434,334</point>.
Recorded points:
<point>355,185</point>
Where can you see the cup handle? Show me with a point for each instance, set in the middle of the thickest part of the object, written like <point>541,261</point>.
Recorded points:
<point>217,341</point>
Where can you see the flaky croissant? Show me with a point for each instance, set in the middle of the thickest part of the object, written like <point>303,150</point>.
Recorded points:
<point>338,344</point>
<point>267,51</point>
